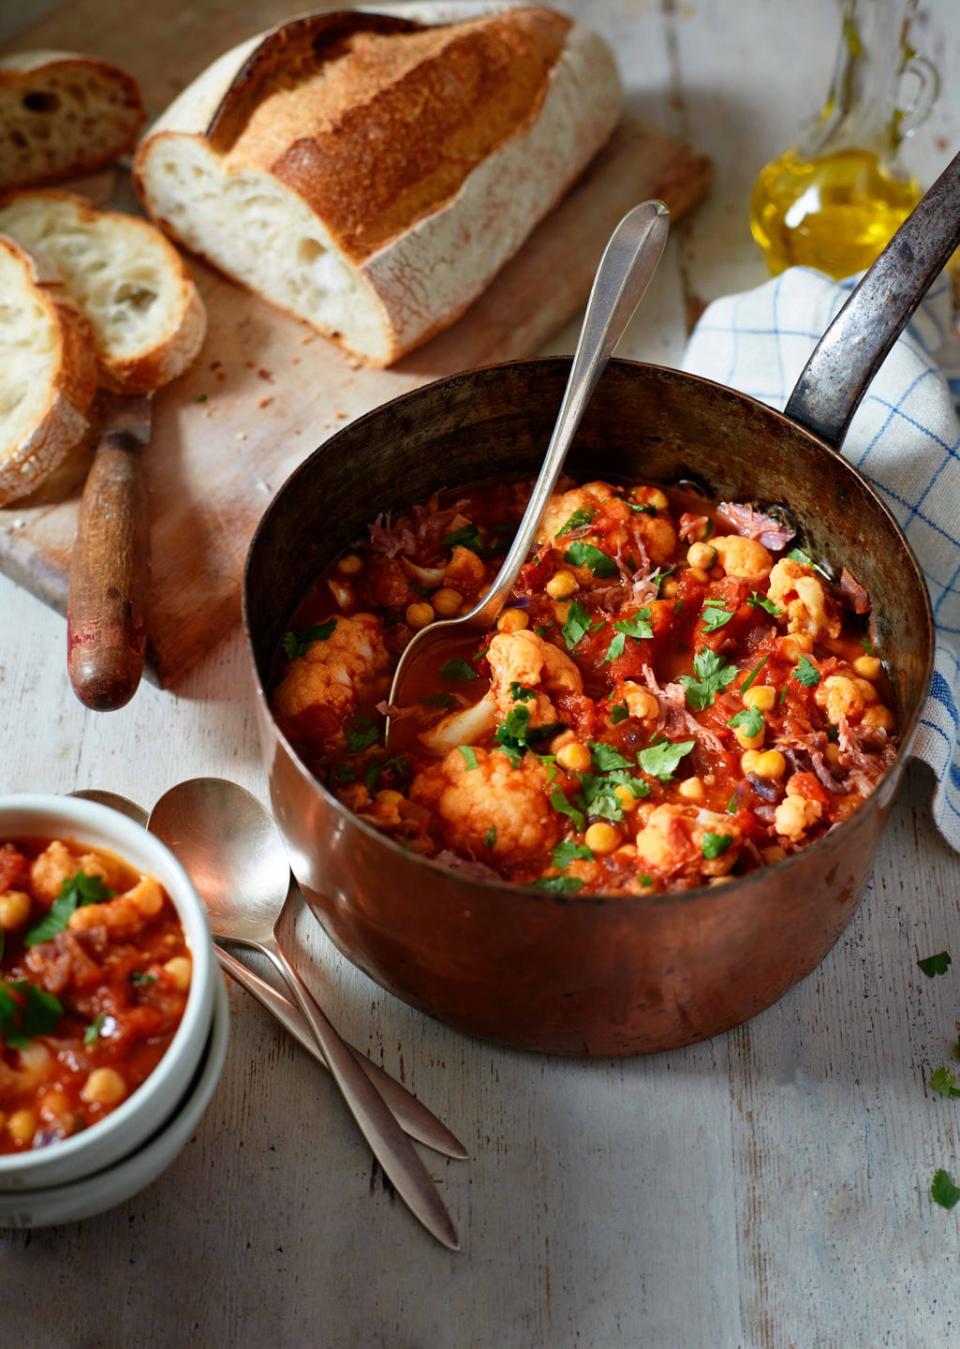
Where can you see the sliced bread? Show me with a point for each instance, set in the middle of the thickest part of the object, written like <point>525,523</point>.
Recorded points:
<point>148,319</point>
<point>370,173</point>
<point>48,375</point>
<point>63,115</point>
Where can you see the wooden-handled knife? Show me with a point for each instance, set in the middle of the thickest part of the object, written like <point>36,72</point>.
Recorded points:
<point>110,570</point>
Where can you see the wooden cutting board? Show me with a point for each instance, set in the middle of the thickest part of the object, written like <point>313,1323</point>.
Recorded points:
<point>266,391</point>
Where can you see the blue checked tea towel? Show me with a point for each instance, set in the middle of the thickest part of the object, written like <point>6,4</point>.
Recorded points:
<point>904,439</point>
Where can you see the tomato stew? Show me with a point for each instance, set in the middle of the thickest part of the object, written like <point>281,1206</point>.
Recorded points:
<point>94,979</point>
<point>676,694</point>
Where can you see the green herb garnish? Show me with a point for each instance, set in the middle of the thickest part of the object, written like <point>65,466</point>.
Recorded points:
<point>798,555</point>
<point>75,892</point>
<point>586,555</point>
<point>642,508</point>
<point>577,625</point>
<point>26,1011</point>
<point>714,615</point>
<point>868,645</point>
<point>938,964</point>
<point>457,671</point>
<point>606,757</point>
<point>296,644</point>
<point>490,837</point>
<point>942,1190</point>
<point>563,806</point>
<point>750,720</point>
<point>92,1034</point>
<point>661,758</point>
<point>748,682</point>
<point>439,700</point>
<point>469,757</point>
<point>564,885</point>
<point>710,676</point>
<point>806,672</point>
<point>639,626</point>
<point>945,1082</point>
<point>761,602</point>
<point>618,712</point>
<point>466,537</point>
<point>715,844</point>
<point>362,734</point>
<point>579,518</point>
<point>567,851</point>
<point>515,735</point>
<point>616,648</point>
<point>519,694</point>
<point>398,765</point>
<point>141,977</point>
<point>658,577</point>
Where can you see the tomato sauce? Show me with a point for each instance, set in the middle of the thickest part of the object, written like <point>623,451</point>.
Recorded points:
<point>675,693</point>
<point>94,979</point>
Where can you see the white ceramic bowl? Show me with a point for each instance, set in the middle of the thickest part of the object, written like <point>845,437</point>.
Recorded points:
<point>107,1189</point>
<point>123,1131</point>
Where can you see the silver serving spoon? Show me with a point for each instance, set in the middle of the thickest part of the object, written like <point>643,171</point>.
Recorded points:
<point>411,1114</point>
<point>629,261</point>
<point>233,853</point>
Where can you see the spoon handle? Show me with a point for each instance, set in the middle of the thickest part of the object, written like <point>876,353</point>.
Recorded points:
<point>412,1115</point>
<point>389,1144</point>
<point>629,261</point>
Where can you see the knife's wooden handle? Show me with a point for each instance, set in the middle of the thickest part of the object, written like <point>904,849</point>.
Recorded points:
<point>109,575</point>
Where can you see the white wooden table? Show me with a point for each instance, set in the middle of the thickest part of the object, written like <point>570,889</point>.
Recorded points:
<point>768,1188</point>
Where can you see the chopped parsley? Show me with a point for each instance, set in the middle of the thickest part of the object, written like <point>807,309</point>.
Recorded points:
<point>439,700</point>
<point>598,793</point>
<point>710,676</point>
<point>298,643</point>
<point>761,602</point>
<point>806,672</point>
<point>398,767</point>
<point>362,734</point>
<point>749,720</point>
<point>586,555</point>
<point>577,625</point>
<point>616,648</point>
<point>642,507</point>
<point>868,645</point>
<point>714,615</point>
<point>344,773</point>
<point>646,881</point>
<point>567,851</point>
<point>639,626</point>
<point>657,578</point>
<point>92,1034</point>
<point>490,837</point>
<point>748,682</point>
<point>579,518</point>
<point>543,629</point>
<point>798,555</point>
<point>467,537</point>
<point>563,806</point>
<point>618,712</point>
<point>519,694</point>
<point>457,671</point>
<point>945,1082</point>
<point>564,885</point>
<point>26,1011</point>
<point>661,758</point>
<point>943,1191</point>
<point>469,757</point>
<point>715,844</point>
<point>515,735</point>
<point>606,757</point>
<point>938,964</point>
<point>141,977</point>
<point>75,892</point>
<point>731,806</point>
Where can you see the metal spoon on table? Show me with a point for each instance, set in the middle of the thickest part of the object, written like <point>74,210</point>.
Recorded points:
<point>629,261</point>
<point>233,853</point>
<point>412,1115</point>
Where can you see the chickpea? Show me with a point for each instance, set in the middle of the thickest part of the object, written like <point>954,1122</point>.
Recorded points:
<point>670,587</point>
<point>832,753</point>
<point>512,620</point>
<point>702,555</point>
<point>558,741</point>
<point>770,764</point>
<point>774,854</point>
<point>868,667</point>
<point>602,838</point>
<point>748,761</point>
<point>14,909</point>
<point>562,585</point>
<point>691,789</point>
<point>742,557</point>
<point>180,970</point>
<point>878,716</point>
<point>719,880</point>
<point>420,615</point>
<point>867,692</point>
<point>54,1105</point>
<point>657,499</point>
<point>640,702</point>
<point>104,1086</point>
<point>699,574</point>
<point>749,741</point>
<point>574,756</point>
<point>446,602</point>
<point>389,798</point>
<point>561,611</point>
<point>628,802</point>
<point>762,696</point>
<point>349,564</point>
<point>21,1126</point>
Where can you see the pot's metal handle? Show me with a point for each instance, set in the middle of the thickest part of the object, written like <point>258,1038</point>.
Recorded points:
<point>853,348</point>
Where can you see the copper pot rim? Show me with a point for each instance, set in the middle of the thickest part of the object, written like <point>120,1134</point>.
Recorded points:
<point>629,901</point>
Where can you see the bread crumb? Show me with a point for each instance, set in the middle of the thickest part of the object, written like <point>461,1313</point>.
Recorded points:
<point>265,402</point>
<point>310,337</point>
<point>295,361</point>
<point>215,365</point>
<point>340,416</point>
<point>265,374</point>
<point>241,435</point>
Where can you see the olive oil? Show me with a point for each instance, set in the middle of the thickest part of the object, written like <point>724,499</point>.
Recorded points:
<point>835,211</point>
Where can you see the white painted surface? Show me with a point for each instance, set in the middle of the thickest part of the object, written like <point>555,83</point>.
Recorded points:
<point>768,1188</point>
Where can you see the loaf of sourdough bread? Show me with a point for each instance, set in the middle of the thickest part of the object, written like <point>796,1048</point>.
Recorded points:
<point>48,375</point>
<point>63,115</point>
<point>369,173</point>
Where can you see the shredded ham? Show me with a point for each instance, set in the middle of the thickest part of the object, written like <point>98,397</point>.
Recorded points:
<point>753,524</point>
<point>389,539</point>
<point>864,768</point>
<point>692,527</point>
<point>675,718</point>
<point>854,593</point>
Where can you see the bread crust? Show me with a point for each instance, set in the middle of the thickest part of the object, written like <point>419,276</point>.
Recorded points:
<point>148,370</point>
<point>65,421</point>
<point>18,69</point>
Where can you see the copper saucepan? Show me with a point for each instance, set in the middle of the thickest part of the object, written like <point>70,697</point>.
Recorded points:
<point>599,975</point>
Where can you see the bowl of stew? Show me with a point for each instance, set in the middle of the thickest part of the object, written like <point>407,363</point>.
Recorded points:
<point>107,988</point>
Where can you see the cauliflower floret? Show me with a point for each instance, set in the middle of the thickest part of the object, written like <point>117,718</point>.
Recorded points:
<point>659,537</point>
<point>795,588</point>
<point>563,505</point>
<point>56,864</point>
<point>672,838</point>
<point>322,689</point>
<point>524,658</point>
<point>795,815</point>
<point>465,571</point>
<point>840,697</point>
<point>126,913</point>
<point>742,557</point>
<point>491,810</point>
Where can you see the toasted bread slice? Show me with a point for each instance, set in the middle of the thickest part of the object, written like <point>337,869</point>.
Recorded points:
<point>148,319</point>
<point>48,375</point>
<point>63,115</point>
